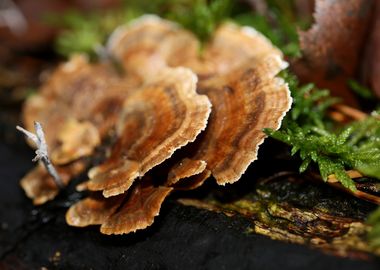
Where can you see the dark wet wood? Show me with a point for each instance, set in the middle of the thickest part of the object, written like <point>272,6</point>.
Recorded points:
<point>181,237</point>
<point>290,208</point>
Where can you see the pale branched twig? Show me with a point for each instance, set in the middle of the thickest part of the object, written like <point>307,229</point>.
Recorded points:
<point>42,151</point>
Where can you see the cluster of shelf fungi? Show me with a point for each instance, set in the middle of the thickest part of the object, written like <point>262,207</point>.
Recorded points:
<point>209,107</point>
<point>164,113</point>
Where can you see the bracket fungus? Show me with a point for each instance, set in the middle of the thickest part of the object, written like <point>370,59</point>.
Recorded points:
<point>157,119</point>
<point>38,184</point>
<point>191,114</point>
<point>233,45</point>
<point>78,107</point>
<point>65,100</point>
<point>120,214</point>
<point>150,43</point>
<point>245,101</point>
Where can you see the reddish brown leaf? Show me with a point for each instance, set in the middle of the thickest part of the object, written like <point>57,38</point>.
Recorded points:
<point>371,63</point>
<point>332,46</point>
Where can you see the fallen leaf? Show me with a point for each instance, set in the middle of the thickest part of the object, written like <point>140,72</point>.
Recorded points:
<point>332,47</point>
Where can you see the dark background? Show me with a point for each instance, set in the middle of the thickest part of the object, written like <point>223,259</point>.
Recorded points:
<point>181,237</point>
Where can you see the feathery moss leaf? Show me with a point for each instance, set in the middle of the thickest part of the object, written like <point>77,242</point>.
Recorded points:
<point>86,31</point>
<point>201,16</point>
<point>309,132</point>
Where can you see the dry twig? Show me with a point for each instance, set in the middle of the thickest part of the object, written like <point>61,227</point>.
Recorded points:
<point>42,151</point>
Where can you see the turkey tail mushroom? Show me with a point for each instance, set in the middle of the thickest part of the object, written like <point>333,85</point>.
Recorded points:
<point>209,109</point>
<point>157,119</point>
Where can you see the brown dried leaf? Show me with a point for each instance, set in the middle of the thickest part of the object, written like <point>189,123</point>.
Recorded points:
<point>157,119</point>
<point>332,46</point>
<point>371,61</point>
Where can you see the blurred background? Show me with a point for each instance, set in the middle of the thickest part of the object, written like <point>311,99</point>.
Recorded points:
<point>36,35</point>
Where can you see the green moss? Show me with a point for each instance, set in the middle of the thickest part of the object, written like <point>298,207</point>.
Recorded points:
<point>200,16</point>
<point>360,90</point>
<point>333,149</point>
<point>374,234</point>
<point>86,31</point>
